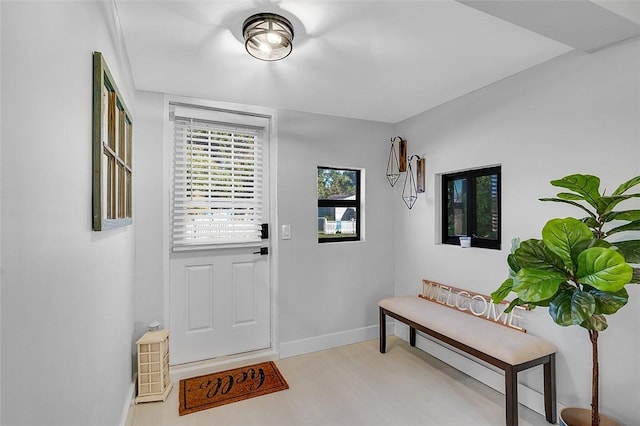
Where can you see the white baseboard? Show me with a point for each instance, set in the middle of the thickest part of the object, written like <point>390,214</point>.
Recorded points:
<point>328,341</point>
<point>127,413</point>
<point>483,373</point>
<point>184,371</point>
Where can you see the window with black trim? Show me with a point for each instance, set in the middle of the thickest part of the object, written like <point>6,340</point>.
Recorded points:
<point>338,204</point>
<point>471,207</point>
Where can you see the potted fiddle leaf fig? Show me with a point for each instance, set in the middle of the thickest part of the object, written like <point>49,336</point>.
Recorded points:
<point>576,271</point>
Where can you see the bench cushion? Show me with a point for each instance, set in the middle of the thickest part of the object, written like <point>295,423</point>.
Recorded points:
<point>498,341</point>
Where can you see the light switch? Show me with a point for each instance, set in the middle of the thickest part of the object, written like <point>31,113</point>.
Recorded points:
<point>286,232</point>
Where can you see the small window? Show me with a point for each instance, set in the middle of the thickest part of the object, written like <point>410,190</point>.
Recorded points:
<point>338,204</point>
<point>471,207</point>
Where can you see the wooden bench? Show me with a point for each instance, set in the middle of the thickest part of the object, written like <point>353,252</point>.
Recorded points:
<point>509,350</point>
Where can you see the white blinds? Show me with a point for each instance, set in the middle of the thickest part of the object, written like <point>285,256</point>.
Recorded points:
<point>217,184</point>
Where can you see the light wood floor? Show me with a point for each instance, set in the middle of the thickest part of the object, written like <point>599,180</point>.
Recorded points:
<point>355,385</point>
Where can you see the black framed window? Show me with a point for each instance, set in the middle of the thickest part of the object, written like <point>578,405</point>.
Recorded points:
<point>338,204</point>
<point>471,207</point>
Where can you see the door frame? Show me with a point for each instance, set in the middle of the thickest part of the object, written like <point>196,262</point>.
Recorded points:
<point>271,115</point>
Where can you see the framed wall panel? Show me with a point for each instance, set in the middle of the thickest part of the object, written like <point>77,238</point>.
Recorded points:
<point>112,148</point>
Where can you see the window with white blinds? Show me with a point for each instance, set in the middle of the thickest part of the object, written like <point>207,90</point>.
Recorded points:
<point>217,184</point>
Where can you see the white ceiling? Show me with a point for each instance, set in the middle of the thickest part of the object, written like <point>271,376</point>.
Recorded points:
<point>370,59</point>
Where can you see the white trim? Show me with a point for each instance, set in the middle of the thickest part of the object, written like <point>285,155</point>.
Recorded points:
<point>222,106</point>
<point>166,211</point>
<point>270,114</point>
<point>193,369</point>
<point>222,116</point>
<point>126,418</point>
<point>274,236</point>
<point>332,340</point>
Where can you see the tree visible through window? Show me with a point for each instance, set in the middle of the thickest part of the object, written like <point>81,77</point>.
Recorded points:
<point>338,204</point>
<point>471,207</point>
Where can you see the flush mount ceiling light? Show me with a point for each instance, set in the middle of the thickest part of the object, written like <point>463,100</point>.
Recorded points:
<point>267,36</point>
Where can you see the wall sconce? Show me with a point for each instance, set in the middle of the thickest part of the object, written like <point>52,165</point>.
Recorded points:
<point>268,36</point>
<point>412,186</point>
<point>397,162</point>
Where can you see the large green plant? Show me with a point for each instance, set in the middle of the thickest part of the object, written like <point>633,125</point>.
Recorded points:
<point>574,270</point>
<point>601,216</point>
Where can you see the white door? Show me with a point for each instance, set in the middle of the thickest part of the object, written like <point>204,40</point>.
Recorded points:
<point>220,290</point>
<point>219,304</point>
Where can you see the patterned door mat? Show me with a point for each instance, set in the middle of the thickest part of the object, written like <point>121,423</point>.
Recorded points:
<point>225,387</point>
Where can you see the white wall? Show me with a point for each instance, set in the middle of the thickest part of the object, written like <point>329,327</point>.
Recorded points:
<point>331,288</point>
<point>67,292</point>
<point>152,202</point>
<point>576,114</point>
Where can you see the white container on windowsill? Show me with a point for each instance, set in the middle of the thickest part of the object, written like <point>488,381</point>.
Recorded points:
<point>465,242</point>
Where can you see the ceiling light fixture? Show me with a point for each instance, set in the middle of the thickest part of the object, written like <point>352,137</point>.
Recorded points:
<point>268,36</point>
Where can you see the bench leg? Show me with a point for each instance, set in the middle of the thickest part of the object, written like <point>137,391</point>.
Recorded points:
<point>383,332</point>
<point>511,396</point>
<point>550,408</point>
<point>412,336</point>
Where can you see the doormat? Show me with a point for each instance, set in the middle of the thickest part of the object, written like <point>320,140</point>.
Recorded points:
<point>225,387</point>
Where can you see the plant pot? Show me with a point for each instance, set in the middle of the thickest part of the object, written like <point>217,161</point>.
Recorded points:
<point>572,416</point>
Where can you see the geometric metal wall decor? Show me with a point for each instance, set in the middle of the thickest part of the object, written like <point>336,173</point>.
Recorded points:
<point>413,185</point>
<point>397,162</point>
